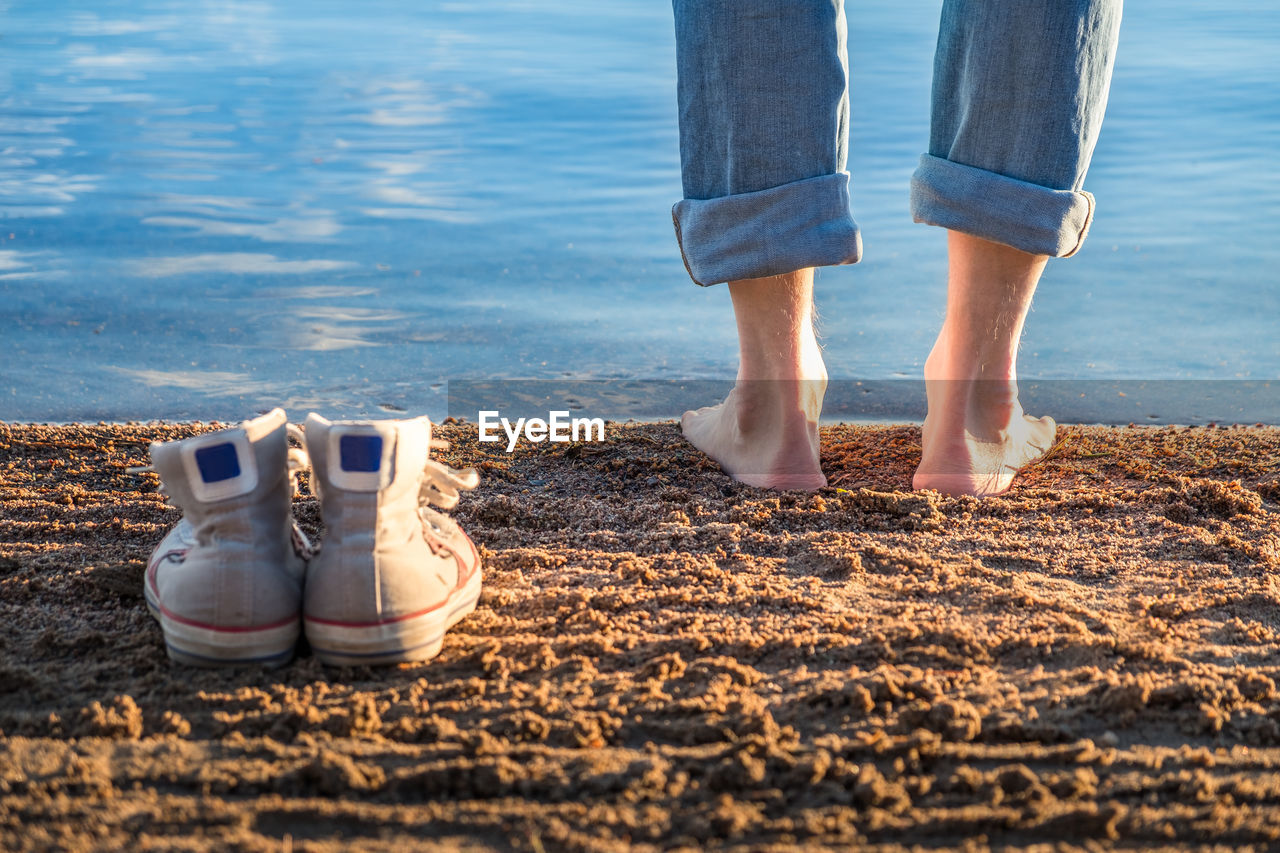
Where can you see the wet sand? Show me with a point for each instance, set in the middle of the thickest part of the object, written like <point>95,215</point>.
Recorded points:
<point>664,659</point>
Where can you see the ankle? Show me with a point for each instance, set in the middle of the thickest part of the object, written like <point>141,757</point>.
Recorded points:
<point>777,405</point>
<point>962,357</point>
<point>778,358</point>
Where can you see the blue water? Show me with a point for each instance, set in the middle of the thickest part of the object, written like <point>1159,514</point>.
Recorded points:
<point>210,208</point>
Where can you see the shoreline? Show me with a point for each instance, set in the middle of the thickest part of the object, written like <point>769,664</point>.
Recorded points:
<point>878,402</point>
<point>664,658</point>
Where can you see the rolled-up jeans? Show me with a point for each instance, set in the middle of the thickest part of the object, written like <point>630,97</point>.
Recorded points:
<point>1019,90</point>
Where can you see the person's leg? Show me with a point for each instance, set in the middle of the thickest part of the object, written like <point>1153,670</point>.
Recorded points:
<point>1020,87</point>
<point>766,432</point>
<point>976,436</point>
<point>763,105</point>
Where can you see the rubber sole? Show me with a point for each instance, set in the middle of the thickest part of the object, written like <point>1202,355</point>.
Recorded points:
<point>417,638</point>
<point>209,646</point>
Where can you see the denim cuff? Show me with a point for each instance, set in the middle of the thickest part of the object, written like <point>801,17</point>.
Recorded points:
<point>779,230</point>
<point>984,204</point>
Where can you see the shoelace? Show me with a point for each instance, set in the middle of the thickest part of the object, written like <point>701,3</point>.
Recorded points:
<point>440,483</point>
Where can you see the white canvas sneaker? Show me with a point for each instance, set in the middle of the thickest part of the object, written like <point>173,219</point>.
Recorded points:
<point>393,573</point>
<point>226,582</point>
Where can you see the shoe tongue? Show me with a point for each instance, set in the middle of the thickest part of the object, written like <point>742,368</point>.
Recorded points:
<point>361,457</point>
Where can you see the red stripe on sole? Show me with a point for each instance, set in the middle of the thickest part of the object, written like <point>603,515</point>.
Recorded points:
<point>465,573</point>
<point>391,621</point>
<point>169,614</point>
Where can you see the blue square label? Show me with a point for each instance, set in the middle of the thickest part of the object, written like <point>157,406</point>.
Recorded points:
<point>361,453</point>
<point>218,463</point>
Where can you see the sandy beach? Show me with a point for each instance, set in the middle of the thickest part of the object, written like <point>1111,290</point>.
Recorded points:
<point>665,659</point>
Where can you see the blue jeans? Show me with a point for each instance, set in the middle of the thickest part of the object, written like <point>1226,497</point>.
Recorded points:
<point>1019,89</point>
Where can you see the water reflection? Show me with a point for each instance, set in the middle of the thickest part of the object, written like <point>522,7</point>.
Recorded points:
<point>211,383</point>
<point>29,188</point>
<point>319,291</point>
<point>14,265</point>
<point>309,229</point>
<point>235,263</point>
<point>37,266</point>
<point>87,24</point>
<point>330,328</point>
<point>124,65</point>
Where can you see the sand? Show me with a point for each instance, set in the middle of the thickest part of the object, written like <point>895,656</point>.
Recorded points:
<point>664,659</point>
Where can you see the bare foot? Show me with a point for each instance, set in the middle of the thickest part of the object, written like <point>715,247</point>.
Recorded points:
<point>976,436</point>
<point>765,433</point>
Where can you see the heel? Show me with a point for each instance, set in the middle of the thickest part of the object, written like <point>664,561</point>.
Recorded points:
<point>403,639</point>
<point>196,644</point>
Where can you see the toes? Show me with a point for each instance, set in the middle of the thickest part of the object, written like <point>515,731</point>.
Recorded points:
<point>692,416</point>
<point>1039,435</point>
<point>698,420</point>
<point>1046,430</point>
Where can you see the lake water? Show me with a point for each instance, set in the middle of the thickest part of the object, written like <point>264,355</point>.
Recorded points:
<point>209,208</point>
